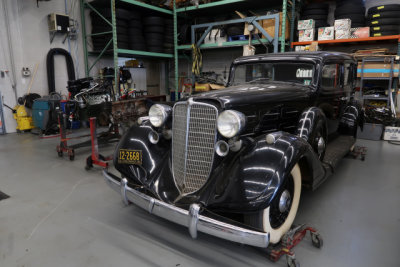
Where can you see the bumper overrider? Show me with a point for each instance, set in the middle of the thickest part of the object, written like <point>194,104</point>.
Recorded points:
<point>189,218</point>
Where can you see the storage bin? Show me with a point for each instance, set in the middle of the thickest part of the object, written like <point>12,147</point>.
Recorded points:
<point>371,131</point>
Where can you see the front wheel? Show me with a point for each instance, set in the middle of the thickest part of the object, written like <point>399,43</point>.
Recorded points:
<point>279,216</point>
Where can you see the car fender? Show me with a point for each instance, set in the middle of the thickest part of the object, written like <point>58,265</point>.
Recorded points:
<point>352,117</point>
<point>137,138</point>
<point>257,174</point>
<point>308,121</point>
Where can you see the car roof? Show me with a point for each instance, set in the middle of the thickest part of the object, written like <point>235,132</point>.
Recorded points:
<point>313,56</point>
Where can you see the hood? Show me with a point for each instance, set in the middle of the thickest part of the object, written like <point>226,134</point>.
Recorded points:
<point>257,93</point>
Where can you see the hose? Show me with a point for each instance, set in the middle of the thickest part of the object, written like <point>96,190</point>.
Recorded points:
<point>50,67</point>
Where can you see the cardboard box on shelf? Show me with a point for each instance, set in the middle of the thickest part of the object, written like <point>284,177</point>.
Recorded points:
<point>306,35</point>
<point>362,32</point>
<point>204,87</point>
<point>342,34</point>
<point>326,33</point>
<point>268,25</point>
<point>377,70</point>
<point>306,24</point>
<point>342,24</point>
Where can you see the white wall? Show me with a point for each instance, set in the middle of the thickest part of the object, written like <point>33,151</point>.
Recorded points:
<point>30,45</point>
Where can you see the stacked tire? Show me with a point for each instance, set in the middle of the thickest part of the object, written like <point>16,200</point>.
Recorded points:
<point>318,12</point>
<point>99,25</point>
<point>135,30</point>
<point>169,36</point>
<point>154,33</point>
<point>351,9</point>
<point>384,20</point>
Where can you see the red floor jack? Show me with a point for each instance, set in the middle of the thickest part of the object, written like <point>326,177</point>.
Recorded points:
<point>95,158</point>
<point>290,240</point>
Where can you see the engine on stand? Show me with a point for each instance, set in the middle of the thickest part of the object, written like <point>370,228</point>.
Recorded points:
<point>89,98</point>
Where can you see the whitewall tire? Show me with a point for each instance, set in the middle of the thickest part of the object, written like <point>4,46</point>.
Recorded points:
<point>266,220</point>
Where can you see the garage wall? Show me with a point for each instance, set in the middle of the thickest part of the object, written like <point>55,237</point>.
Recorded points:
<point>30,43</point>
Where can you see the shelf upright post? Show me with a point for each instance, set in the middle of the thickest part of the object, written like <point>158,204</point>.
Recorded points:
<point>84,37</point>
<point>176,62</point>
<point>283,37</point>
<point>292,20</point>
<point>115,50</point>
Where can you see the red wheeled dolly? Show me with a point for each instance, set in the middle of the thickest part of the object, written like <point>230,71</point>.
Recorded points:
<point>290,240</point>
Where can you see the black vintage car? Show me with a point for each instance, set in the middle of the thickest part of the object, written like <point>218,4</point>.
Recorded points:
<point>232,163</point>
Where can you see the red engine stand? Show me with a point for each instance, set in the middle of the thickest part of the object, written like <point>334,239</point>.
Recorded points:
<point>95,158</point>
<point>290,240</point>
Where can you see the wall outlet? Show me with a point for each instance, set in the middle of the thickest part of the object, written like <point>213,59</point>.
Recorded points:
<point>26,72</point>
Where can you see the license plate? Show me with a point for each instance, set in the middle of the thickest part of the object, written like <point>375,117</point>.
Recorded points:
<point>129,156</point>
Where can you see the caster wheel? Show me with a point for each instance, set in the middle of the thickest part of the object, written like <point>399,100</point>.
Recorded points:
<point>89,163</point>
<point>362,158</point>
<point>19,131</point>
<point>60,154</point>
<point>292,262</point>
<point>317,240</point>
<point>72,155</point>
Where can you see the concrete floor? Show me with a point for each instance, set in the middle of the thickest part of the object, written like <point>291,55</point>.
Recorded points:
<point>61,215</point>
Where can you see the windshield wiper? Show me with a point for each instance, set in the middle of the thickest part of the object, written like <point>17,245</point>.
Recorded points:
<point>259,79</point>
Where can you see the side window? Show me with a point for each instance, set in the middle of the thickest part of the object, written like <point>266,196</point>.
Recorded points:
<point>330,76</point>
<point>348,77</point>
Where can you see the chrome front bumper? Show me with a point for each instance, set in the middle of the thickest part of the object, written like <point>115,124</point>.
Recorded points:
<point>189,218</point>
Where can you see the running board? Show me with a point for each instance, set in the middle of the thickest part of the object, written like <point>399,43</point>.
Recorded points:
<point>335,152</point>
<point>338,149</point>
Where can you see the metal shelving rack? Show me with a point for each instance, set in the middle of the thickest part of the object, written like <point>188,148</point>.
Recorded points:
<point>389,79</point>
<point>116,52</point>
<point>251,20</point>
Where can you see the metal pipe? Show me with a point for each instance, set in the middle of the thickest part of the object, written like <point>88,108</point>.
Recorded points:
<point>10,49</point>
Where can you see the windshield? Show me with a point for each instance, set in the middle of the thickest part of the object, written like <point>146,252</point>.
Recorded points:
<point>301,73</point>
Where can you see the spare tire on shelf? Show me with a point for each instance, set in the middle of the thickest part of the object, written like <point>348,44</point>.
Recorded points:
<point>384,8</point>
<point>154,37</point>
<point>321,23</point>
<point>349,9</point>
<point>340,3</point>
<point>308,12</point>
<point>119,12</point>
<point>154,29</point>
<point>385,28</point>
<point>384,15</point>
<point>101,22</point>
<point>391,21</point>
<point>315,17</point>
<point>384,33</point>
<point>156,49</point>
<point>317,6</point>
<point>153,21</point>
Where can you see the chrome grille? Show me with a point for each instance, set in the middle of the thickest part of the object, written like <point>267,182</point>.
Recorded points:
<point>193,139</point>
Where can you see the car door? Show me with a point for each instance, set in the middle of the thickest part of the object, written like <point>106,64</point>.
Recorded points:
<point>331,93</point>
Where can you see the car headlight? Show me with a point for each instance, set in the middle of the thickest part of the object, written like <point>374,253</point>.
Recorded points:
<point>158,114</point>
<point>230,123</point>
